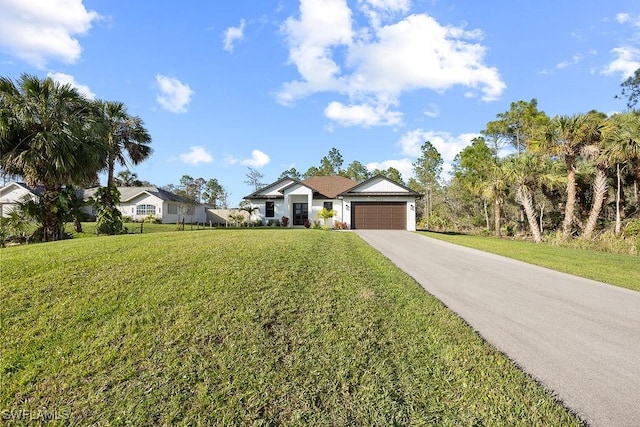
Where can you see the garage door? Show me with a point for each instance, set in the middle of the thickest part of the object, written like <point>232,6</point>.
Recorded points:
<point>379,215</point>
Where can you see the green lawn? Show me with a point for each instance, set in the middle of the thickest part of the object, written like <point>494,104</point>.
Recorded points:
<point>244,327</point>
<point>615,269</point>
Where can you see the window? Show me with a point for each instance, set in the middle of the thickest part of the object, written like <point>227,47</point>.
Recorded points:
<point>270,209</point>
<point>172,209</point>
<point>145,210</point>
<point>328,206</point>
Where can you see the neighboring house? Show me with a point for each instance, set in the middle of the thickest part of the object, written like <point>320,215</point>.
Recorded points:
<point>16,192</point>
<point>138,203</point>
<point>377,203</point>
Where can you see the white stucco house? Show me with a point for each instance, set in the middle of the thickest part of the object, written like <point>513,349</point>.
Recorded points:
<point>16,192</point>
<point>377,203</point>
<point>138,203</point>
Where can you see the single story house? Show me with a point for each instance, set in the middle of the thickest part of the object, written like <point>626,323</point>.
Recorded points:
<point>377,203</point>
<point>138,203</point>
<point>16,192</point>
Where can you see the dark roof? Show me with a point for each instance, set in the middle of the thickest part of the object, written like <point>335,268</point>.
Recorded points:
<point>37,190</point>
<point>329,186</point>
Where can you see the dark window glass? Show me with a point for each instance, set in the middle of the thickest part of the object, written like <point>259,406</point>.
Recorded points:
<point>328,206</point>
<point>270,209</point>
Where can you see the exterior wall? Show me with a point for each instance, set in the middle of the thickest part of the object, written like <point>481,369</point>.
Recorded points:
<point>379,186</point>
<point>410,201</point>
<point>318,205</point>
<point>129,208</point>
<point>11,195</point>
<point>261,214</point>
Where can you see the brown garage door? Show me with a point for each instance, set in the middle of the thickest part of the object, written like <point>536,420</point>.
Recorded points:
<point>379,215</point>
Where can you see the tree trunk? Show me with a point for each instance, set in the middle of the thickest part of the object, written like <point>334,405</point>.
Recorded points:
<point>49,217</point>
<point>486,214</point>
<point>497,216</point>
<point>571,196</point>
<point>619,185</point>
<point>525,197</point>
<point>600,190</point>
<point>77,224</point>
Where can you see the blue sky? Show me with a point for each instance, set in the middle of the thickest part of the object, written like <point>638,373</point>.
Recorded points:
<point>227,85</point>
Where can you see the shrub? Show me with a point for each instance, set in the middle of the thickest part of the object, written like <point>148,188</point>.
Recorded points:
<point>632,228</point>
<point>340,225</point>
<point>307,223</point>
<point>285,221</point>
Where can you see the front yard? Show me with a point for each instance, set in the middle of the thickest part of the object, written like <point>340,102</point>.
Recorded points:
<point>228,327</point>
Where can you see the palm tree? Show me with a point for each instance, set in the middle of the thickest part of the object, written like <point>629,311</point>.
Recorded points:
<point>125,136</point>
<point>564,138</point>
<point>622,148</point>
<point>48,136</point>
<point>523,170</point>
<point>600,186</point>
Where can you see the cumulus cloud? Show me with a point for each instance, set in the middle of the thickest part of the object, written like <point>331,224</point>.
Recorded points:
<point>196,155</point>
<point>447,145</point>
<point>174,95</point>
<point>362,115</point>
<point>405,166</point>
<point>258,159</point>
<point>70,80</point>
<point>38,31</point>
<point>233,34</point>
<point>376,64</point>
<point>626,62</point>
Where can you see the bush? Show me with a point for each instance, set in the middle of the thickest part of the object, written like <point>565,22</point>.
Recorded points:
<point>307,223</point>
<point>257,223</point>
<point>285,221</point>
<point>340,225</point>
<point>127,219</point>
<point>632,228</point>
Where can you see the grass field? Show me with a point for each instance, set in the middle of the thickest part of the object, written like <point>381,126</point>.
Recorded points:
<point>615,269</point>
<point>243,327</point>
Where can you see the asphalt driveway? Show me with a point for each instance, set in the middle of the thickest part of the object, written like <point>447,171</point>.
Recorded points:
<point>578,337</point>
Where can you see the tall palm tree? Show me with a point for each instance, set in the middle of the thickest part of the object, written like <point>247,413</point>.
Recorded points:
<point>564,138</point>
<point>124,135</point>
<point>622,148</point>
<point>48,136</point>
<point>602,163</point>
<point>523,171</point>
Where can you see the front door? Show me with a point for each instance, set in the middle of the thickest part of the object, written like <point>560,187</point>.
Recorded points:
<point>300,213</point>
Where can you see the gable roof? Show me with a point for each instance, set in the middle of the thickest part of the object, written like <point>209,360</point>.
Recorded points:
<point>129,193</point>
<point>37,191</point>
<point>261,193</point>
<point>403,190</point>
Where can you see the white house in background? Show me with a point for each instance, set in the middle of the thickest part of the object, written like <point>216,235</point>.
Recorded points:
<point>377,203</point>
<point>16,192</point>
<point>138,203</point>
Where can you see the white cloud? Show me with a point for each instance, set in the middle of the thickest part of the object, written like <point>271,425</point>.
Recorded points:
<point>70,80</point>
<point>627,61</point>
<point>432,111</point>
<point>233,34</point>
<point>623,17</point>
<point>196,155</point>
<point>380,62</point>
<point>323,24</point>
<point>405,166</point>
<point>258,159</point>
<point>575,59</point>
<point>447,145</point>
<point>38,31</point>
<point>174,95</point>
<point>362,115</point>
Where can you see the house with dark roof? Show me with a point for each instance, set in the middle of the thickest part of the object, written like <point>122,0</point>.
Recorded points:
<point>138,203</point>
<point>377,203</point>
